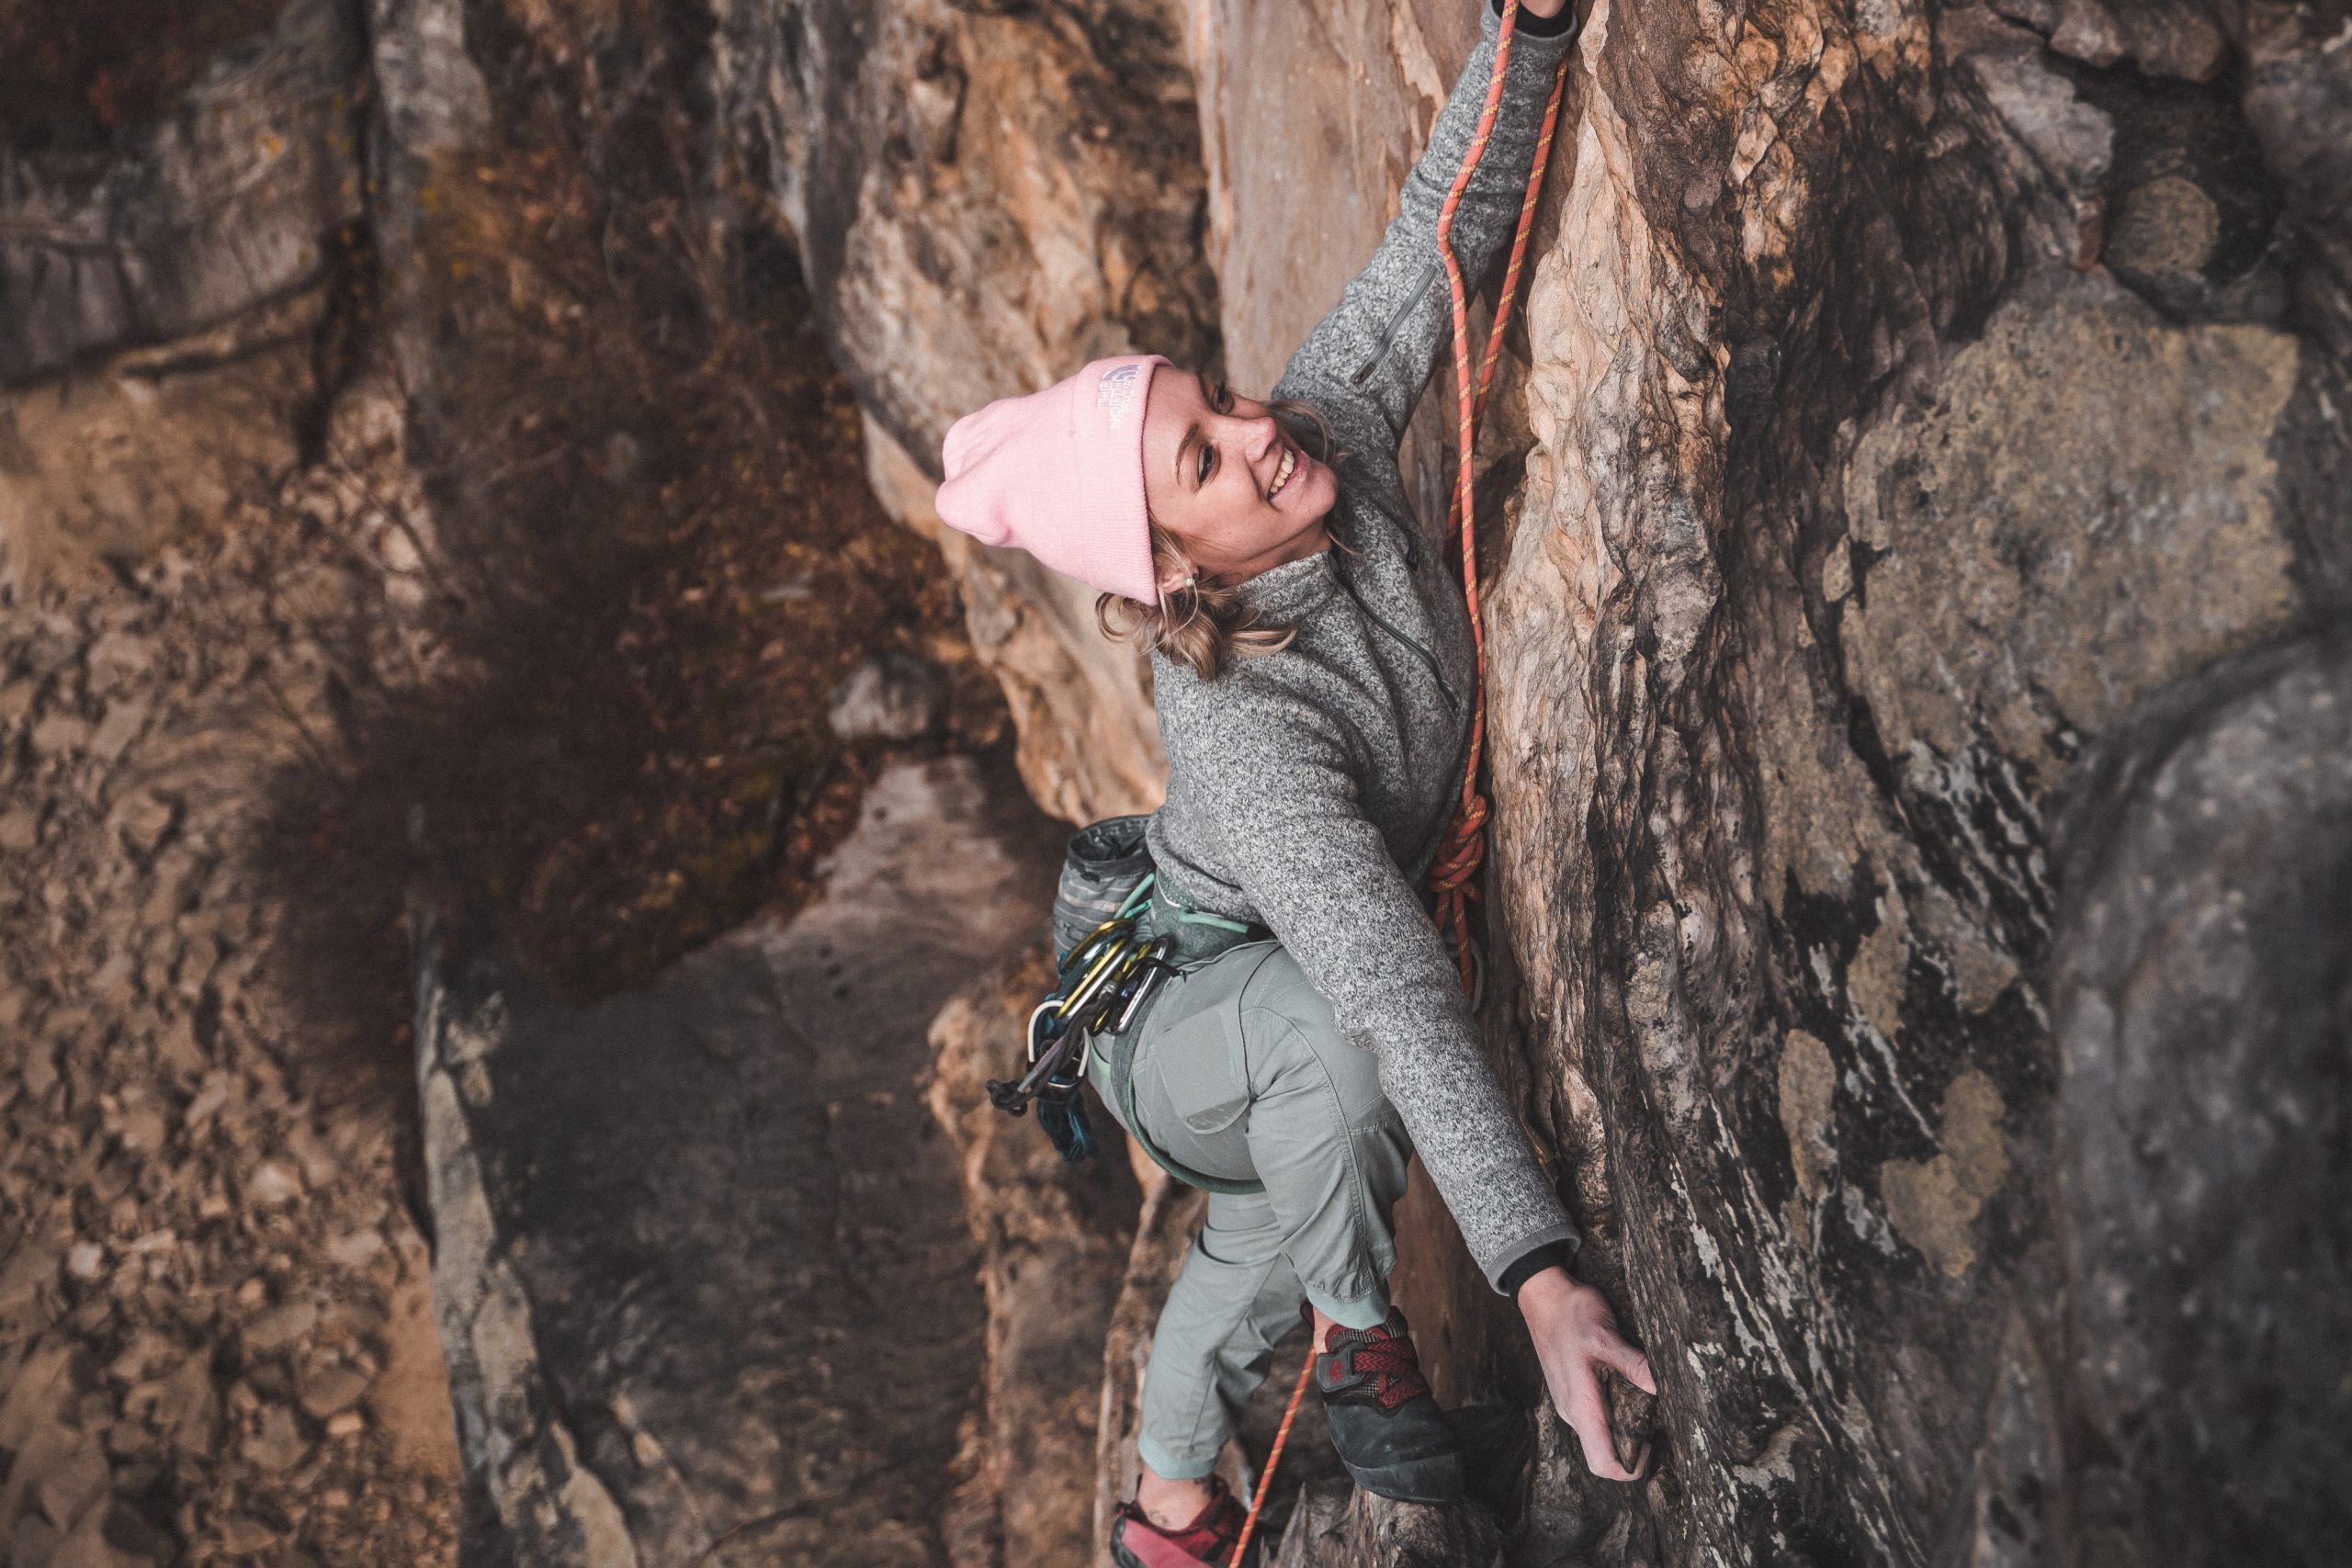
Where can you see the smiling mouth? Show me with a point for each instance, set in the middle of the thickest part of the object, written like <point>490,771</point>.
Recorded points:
<point>1282,474</point>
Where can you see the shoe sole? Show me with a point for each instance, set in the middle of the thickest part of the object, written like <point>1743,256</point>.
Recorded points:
<point>1436,1481</point>
<point>1126,1559</point>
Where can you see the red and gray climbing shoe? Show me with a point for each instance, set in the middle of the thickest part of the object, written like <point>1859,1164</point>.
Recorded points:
<point>1207,1542</point>
<point>1385,1422</point>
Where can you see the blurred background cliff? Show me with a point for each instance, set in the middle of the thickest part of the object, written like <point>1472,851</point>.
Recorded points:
<point>521,838</point>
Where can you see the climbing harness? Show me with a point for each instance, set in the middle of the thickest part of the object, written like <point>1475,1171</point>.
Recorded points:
<point>1453,876</point>
<point>1100,984</point>
<point>1118,935</point>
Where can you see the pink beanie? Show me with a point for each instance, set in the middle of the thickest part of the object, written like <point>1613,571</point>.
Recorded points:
<point>1059,473</point>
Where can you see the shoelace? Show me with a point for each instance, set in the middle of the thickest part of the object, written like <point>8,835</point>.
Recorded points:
<point>1392,1363</point>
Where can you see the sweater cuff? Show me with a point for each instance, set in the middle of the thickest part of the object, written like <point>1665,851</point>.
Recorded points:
<point>1553,1244</point>
<point>1532,26</point>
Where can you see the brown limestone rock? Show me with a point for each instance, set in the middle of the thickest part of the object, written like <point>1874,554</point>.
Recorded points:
<point>702,1272</point>
<point>1054,1240</point>
<point>987,197</point>
<point>229,201</point>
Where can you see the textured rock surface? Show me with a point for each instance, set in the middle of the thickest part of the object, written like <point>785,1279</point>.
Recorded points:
<point>232,198</point>
<point>701,1267</point>
<point>1053,1239</point>
<point>2203,1018</point>
<point>1909,395</point>
<point>1861,501</point>
<point>215,1335</point>
<point>987,196</point>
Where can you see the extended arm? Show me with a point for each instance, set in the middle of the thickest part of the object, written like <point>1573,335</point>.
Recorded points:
<point>1366,362</point>
<point>1274,776</point>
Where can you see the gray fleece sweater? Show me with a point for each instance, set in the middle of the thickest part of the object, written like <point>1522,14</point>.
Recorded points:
<point>1309,789</point>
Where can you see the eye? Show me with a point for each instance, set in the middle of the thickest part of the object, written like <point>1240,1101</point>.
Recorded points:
<point>1207,462</point>
<point>1224,398</point>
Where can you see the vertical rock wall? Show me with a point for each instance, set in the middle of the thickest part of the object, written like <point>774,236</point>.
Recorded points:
<point>1910,396</point>
<point>986,198</point>
<point>1912,400</point>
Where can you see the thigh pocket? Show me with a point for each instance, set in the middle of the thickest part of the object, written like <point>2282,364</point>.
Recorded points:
<point>1198,1063</point>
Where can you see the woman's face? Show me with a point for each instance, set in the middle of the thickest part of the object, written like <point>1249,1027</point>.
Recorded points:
<point>1225,478</point>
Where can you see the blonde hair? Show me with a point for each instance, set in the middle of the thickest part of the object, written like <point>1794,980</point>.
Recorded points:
<point>1205,622</point>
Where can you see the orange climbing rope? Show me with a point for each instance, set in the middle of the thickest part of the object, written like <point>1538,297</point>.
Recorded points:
<point>1274,1459</point>
<point>1452,878</point>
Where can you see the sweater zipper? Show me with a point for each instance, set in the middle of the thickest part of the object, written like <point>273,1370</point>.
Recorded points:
<point>1452,704</point>
<point>1396,324</point>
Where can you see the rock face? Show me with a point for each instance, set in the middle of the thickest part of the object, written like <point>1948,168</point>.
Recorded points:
<point>236,197</point>
<point>987,196</point>
<point>1917,597</point>
<point>700,1262</point>
<point>2201,1008</point>
<point>1054,1239</point>
<point>1911,397</point>
<point>1863,503</point>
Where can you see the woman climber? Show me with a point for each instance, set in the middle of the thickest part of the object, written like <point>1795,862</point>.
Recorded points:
<point>1314,674</point>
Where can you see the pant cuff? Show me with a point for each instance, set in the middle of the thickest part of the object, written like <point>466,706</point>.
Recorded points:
<point>1366,1311</point>
<point>1169,1466</point>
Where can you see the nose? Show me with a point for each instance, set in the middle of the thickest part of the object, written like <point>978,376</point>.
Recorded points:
<point>1256,436</point>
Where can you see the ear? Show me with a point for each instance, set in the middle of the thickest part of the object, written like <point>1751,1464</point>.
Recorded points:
<point>1175,580</point>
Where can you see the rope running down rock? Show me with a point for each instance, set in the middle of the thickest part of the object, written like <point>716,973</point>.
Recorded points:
<point>1453,876</point>
<point>1465,847</point>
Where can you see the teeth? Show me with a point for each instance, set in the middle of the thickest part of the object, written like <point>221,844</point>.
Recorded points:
<point>1281,474</point>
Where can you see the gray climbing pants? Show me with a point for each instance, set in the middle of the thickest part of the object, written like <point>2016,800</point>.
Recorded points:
<point>1240,1074</point>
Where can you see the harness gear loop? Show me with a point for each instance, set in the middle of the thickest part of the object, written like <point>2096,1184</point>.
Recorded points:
<point>1105,977</point>
<point>1453,876</point>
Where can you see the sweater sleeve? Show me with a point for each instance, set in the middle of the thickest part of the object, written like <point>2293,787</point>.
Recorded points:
<point>1272,776</point>
<point>1369,359</point>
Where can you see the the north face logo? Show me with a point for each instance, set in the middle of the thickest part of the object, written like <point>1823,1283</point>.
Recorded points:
<point>1117,393</point>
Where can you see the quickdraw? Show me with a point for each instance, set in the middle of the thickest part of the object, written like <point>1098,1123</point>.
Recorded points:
<point>1101,986</point>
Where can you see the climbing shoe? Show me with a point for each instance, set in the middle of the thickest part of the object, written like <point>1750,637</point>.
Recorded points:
<point>1207,1542</point>
<point>1385,1422</point>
